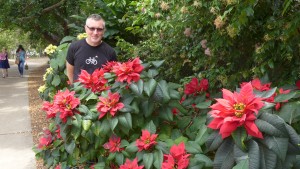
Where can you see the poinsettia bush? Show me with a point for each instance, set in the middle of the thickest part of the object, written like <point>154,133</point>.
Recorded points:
<point>125,114</point>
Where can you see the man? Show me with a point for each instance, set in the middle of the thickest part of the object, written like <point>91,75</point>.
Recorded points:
<point>91,53</point>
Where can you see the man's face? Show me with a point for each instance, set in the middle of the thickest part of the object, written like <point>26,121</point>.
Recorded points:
<point>95,31</point>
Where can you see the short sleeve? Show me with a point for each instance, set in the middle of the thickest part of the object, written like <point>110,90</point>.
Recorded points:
<point>71,54</point>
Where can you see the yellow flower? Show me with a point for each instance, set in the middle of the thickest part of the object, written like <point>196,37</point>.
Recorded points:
<point>231,31</point>
<point>184,10</point>
<point>81,36</point>
<point>42,88</point>
<point>164,6</point>
<point>197,4</point>
<point>219,22</point>
<point>48,71</point>
<point>50,49</point>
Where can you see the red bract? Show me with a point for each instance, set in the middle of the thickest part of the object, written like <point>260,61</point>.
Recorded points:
<point>257,85</point>
<point>235,110</point>
<point>50,109</point>
<point>298,84</point>
<point>110,104</point>
<point>128,71</point>
<point>131,164</point>
<point>45,140</point>
<point>195,86</point>
<point>65,102</point>
<point>113,145</point>
<point>146,141</point>
<point>178,158</point>
<point>108,67</point>
<point>57,131</point>
<point>96,82</point>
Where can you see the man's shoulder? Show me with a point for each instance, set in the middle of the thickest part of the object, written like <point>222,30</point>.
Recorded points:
<point>78,43</point>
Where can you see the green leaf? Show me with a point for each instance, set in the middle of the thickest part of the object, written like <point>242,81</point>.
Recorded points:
<point>268,158</point>
<point>125,120</point>
<point>166,113</point>
<point>214,141</point>
<point>268,128</point>
<point>67,39</point>
<point>148,160</point>
<point>83,109</point>
<point>119,158</point>
<point>192,147</point>
<point>96,127</point>
<point>70,147</point>
<point>132,148</point>
<point>158,158</point>
<point>254,154</point>
<point>113,122</point>
<point>105,127</point>
<point>284,97</point>
<point>149,87</point>
<point>239,136</point>
<point>203,105</point>
<point>147,108</point>
<point>243,164</point>
<point>202,135</point>
<point>161,93</point>
<point>224,156</point>
<point>278,145</point>
<point>86,124</point>
<point>56,80</point>
<point>137,88</point>
<point>265,94</point>
<point>204,159</point>
<point>157,64</point>
<point>100,165</point>
<point>152,73</point>
<point>293,135</point>
<point>150,127</point>
<point>290,111</point>
<point>92,96</point>
<point>275,120</point>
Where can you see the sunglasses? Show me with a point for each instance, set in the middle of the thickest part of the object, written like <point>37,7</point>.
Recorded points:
<point>93,29</point>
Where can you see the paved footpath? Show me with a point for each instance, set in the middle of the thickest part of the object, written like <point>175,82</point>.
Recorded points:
<point>15,131</point>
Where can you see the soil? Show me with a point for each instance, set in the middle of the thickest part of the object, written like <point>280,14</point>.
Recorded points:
<point>38,117</point>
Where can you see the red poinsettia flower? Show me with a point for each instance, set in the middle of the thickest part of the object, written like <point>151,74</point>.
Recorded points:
<point>128,71</point>
<point>110,104</point>
<point>298,84</point>
<point>257,85</point>
<point>45,140</point>
<point>58,167</point>
<point>235,110</point>
<point>131,164</point>
<point>108,67</point>
<point>65,102</point>
<point>113,145</point>
<point>96,82</point>
<point>178,158</point>
<point>146,141</point>
<point>57,131</point>
<point>50,109</point>
<point>195,87</point>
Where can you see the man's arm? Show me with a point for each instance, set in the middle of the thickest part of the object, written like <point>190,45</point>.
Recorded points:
<point>70,72</point>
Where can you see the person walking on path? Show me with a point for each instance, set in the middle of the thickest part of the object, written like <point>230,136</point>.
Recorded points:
<point>4,64</point>
<point>91,53</point>
<point>21,53</point>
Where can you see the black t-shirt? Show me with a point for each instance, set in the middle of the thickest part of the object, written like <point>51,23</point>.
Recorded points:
<point>85,57</point>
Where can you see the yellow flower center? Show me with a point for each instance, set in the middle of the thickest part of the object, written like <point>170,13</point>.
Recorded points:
<point>239,109</point>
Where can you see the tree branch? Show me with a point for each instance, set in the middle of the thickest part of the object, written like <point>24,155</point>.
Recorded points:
<point>48,9</point>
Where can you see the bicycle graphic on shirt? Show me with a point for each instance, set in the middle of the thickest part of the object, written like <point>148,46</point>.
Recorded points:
<point>91,60</point>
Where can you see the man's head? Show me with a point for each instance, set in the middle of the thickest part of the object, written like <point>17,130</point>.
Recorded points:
<point>95,28</point>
